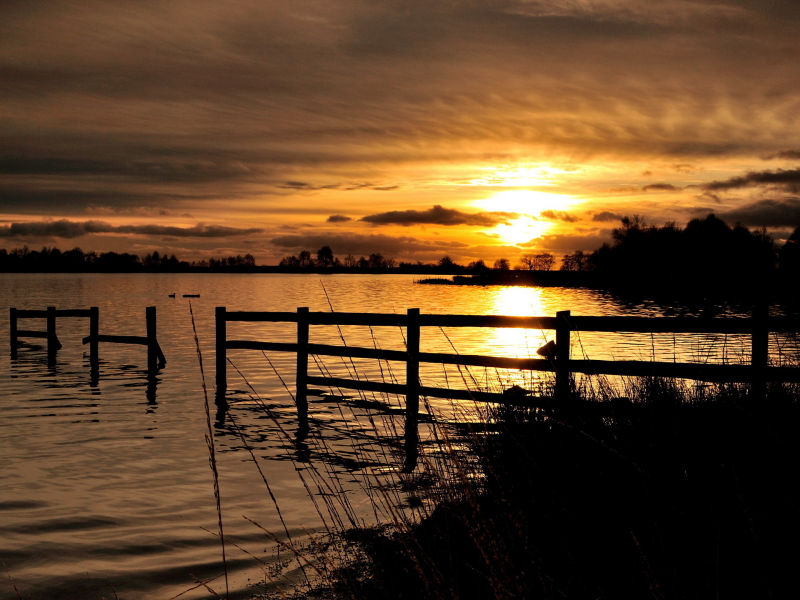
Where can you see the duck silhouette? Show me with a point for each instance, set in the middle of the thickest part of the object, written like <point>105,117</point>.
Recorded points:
<point>172,295</point>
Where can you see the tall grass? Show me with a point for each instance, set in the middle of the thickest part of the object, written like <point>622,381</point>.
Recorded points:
<point>635,488</point>
<point>687,492</point>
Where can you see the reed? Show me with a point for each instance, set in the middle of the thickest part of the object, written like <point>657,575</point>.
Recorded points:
<point>683,490</point>
<point>212,455</point>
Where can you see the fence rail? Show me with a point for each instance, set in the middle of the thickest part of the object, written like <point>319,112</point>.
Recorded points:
<point>155,357</point>
<point>557,356</point>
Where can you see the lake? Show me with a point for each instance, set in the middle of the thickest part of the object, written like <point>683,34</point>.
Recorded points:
<point>107,483</point>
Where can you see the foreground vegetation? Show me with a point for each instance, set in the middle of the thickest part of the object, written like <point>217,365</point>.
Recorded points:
<point>677,491</point>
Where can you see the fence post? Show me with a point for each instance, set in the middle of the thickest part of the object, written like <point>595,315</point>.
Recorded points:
<point>152,341</point>
<point>52,339</point>
<point>412,390</point>
<point>759,356</point>
<point>94,331</point>
<point>562,355</point>
<point>301,381</point>
<point>221,353</point>
<point>13,332</point>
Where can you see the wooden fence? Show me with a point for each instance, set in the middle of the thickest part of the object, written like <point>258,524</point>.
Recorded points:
<point>557,357</point>
<point>155,357</point>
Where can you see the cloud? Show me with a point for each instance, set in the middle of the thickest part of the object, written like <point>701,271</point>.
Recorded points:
<point>64,228</point>
<point>710,196</point>
<point>789,179</point>
<point>660,187</point>
<point>558,215</point>
<point>438,215</point>
<point>338,219</point>
<point>346,187</point>
<point>766,213</point>
<point>785,154</point>
<point>570,243</point>
<point>139,211</point>
<point>606,216</point>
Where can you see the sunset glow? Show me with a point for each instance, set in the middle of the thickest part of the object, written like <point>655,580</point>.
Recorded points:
<point>511,125</point>
<point>526,202</point>
<point>522,230</point>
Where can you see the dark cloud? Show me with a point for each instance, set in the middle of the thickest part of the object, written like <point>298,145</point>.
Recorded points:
<point>684,168</point>
<point>338,219</point>
<point>710,196</point>
<point>346,187</point>
<point>64,228</point>
<point>606,216</point>
<point>789,179</point>
<point>438,215</point>
<point>558,215</point>
<point>303,186</point>
<point>659,187</point>
<point>784,212</point>
<point>570,243</point>
<point>785,154</point>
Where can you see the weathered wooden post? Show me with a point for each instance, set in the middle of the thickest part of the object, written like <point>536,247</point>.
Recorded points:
<point>152,340</point>
<point>53,345</point>
<point>221,353</point>
<point>301,381</point>
<point>562,355</point>
<point>94,331</point>
<point>412,390</point>
<point>759,356</point>
<point>13,332</point>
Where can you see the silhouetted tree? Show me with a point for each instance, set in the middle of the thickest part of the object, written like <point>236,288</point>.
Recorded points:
<point>577,261</point>
<point>538,262</point>
<point>502,264</point>
<point>789,256</point>
<point>304,259</point>
<point>707,256</point>
<point>477,265</point>
<point>325,257</point>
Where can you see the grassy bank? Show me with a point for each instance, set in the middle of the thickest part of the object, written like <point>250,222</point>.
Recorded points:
<point>686,492</point>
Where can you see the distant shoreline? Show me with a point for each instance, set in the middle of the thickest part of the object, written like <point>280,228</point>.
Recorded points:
<point>262,269</point>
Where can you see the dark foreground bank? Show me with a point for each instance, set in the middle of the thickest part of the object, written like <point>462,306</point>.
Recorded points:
<point>683,493</point>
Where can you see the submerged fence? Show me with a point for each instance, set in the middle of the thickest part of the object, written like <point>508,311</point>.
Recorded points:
<point>155,357</point>
<point>556,357</point>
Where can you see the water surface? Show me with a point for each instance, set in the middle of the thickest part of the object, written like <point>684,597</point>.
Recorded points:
<point>107,483</point>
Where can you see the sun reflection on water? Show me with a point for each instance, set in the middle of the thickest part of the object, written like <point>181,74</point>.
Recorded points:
<point>520,302</point>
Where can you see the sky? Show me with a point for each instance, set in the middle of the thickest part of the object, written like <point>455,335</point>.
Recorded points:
<point>476,130</point>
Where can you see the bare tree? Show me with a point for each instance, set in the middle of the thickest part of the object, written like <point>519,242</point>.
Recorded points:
<point>545,261</point>
<point>528,261</point>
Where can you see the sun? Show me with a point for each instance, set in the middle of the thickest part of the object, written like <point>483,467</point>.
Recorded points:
<point>525,202</point>
<point>522,230</point>
<point>528,204</point>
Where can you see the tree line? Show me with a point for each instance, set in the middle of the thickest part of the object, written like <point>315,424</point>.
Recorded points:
<point>707,252</point>
<point>325,259</point>
<point>708,255</point>
<point>51,259</point>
